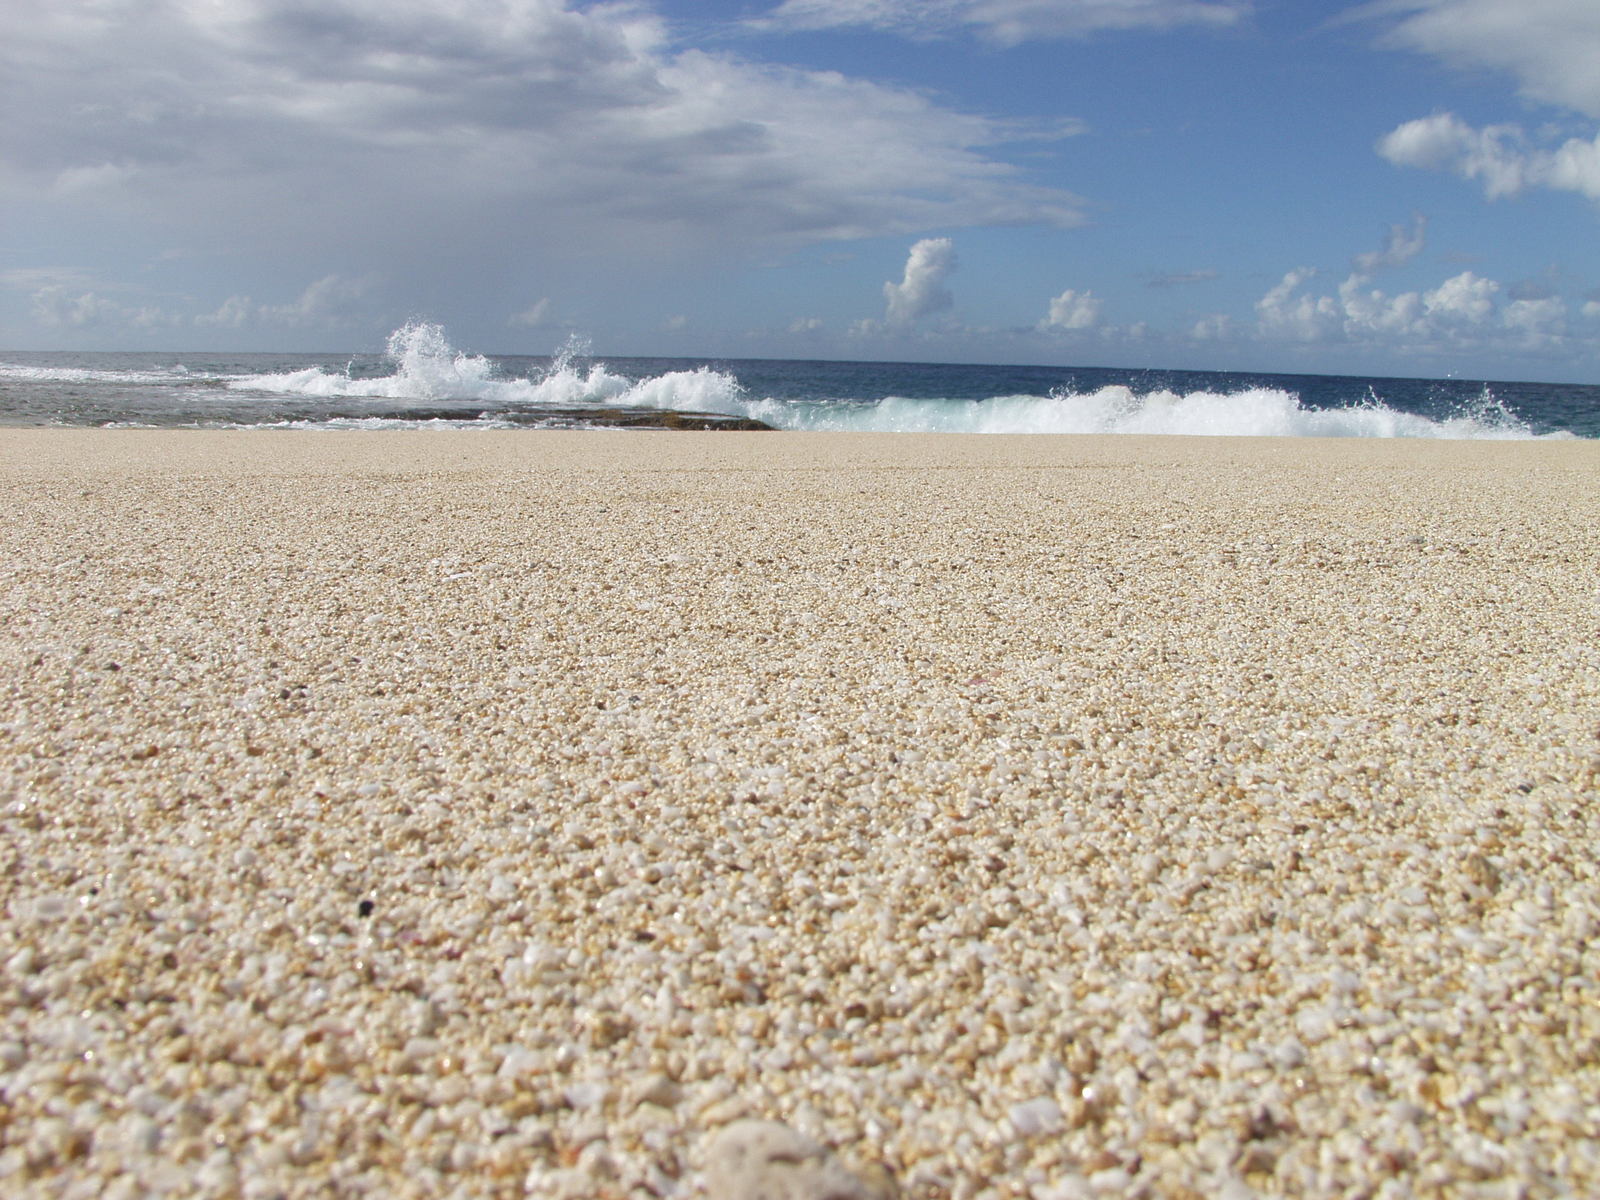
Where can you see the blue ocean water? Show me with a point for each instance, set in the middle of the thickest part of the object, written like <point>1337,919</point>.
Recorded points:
<point>422,381</point>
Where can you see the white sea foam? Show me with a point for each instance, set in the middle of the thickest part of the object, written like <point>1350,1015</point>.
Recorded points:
<point>428,368</point>
<point>386,424</point>
<point>23,373</point>
<point>1252,412</point>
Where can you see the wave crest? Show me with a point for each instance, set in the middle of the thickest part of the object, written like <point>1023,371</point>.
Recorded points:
<point>1249,412</point>
<point>426,367</point>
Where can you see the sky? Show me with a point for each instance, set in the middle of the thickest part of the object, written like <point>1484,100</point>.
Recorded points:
<point>1407,187</point>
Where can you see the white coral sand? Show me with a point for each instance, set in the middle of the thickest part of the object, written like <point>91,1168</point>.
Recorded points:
<point>481,815</point>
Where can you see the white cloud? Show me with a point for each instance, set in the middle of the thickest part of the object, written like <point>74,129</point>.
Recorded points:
<point>1549,46</point>
<point>1367,312</point>
<point>805,325</point>
<point>533,316</point>
<point>1360,311</point>
<point>1591,308</point>
<point>1462,314</point>
<point>1218,327</point>
<point>1538,318</point>
<point>1073,310</point>
<point>1575,167</point>
<point>70,298</point>
<point>1464,298</point>
<point>1500,156</point>
<point>331,300</point>
<point>552,126</point>
<point>1286,312</point>
<point>56,308</point>
<point>1007,22</point>
<point>233,313</point>
<point>1463,306</point>
<point>921,290</point>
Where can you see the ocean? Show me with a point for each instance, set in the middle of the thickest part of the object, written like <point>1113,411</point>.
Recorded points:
<point>421,381</point>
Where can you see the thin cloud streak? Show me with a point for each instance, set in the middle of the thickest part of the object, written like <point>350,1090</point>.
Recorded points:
<point>1005,22</point>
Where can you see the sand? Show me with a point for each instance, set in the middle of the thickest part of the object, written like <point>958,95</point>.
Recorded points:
<point>481,814</point>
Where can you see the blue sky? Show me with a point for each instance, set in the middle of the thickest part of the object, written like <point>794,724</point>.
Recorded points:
<point>1407,187</point>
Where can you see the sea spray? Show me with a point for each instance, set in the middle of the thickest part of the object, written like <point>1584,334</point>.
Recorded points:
<point>422,380</point>
<point>1248,412</point>
<point>426,367</point>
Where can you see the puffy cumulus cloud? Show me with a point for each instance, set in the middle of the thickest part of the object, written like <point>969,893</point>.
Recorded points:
<point>1357,311</point>
<point>1369,311</point>
<point>1007,22</point>
<point>356,123</point>
<point>56,307</point>
<point>1073,311</point>
<point>921,291</point>
<point>1466,298</point>
<point>1541,320</point>
<point>72,300</point>
<point>1462,311</point>
<point>1287,312</point>
<point>1550,47</point>
<point>1501,157</point>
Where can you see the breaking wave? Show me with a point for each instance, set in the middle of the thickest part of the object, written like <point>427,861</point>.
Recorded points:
<point>152,377</point>
<point>421,366</point>
<point>1251,412</point>
<point>427,368</point>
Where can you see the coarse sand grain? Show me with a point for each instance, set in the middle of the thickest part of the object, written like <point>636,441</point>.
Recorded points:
<point>607,815</point>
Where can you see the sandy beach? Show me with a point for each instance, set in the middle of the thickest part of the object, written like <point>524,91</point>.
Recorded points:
<point>491,814</point>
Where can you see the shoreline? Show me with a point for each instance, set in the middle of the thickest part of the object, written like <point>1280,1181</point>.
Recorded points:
<point>507,447</point>
<point>1053,814</point>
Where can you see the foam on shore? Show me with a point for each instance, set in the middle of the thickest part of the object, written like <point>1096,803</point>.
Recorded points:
<point>1107,816</point>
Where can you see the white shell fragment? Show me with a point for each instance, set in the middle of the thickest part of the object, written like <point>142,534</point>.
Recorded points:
<point>767,1160</point>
